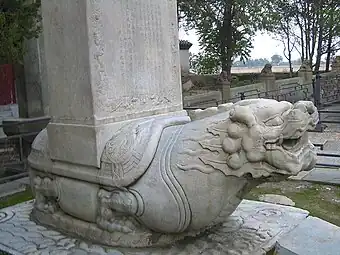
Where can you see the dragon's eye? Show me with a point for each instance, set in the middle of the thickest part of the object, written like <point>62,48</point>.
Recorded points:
<point>276,121</point>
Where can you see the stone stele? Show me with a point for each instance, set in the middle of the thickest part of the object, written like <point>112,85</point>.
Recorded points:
<point>121,163</point>
<point>165,178</point>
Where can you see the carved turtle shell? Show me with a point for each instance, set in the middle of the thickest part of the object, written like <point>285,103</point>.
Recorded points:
<point>128,154</point>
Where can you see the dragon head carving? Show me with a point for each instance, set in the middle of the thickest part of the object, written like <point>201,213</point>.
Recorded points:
<point>263,137</point>
<point>272,135</point>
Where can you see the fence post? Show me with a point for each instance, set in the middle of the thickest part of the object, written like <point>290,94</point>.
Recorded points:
<point>224,82</point>
<point>317,100</point>
<point>306,73</point>
<point>317,90</point>
<point>268,78</point>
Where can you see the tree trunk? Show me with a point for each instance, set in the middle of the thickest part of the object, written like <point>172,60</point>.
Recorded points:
<point>302,44</point>
<point>20,87</point>
<point>291,70</point>
<point>319,50</point>
<point>226,39</point>
<point>329,44</point>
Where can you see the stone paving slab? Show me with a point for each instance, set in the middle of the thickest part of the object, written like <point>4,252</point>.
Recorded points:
<point>13,187</point>
<point>252,229</point>
<point>312,236</point>
<point>323,175</point>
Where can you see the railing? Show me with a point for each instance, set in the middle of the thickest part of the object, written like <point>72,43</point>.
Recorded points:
<point>324,91</point>
<point>287,93</point>
<point>14,150</point>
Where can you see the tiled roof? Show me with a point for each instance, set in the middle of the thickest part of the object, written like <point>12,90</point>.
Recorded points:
<point>184,45</point>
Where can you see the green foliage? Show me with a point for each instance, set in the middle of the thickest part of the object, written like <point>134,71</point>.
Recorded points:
<point>225,29</point>
<point>19,20</point>
<point>310,27</point>
<point>203,63</point>
<point>252,62</point>
<point>276,59</point>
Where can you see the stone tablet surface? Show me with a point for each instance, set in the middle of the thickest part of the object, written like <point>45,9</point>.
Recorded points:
<point>312,236</point>
<point>253,229</point>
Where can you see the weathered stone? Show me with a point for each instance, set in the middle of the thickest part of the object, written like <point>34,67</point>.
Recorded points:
<point>276,199</point>
<point>10,188</point>
<point>204,99</point>
<point>35,77</point>
<point>306,72</point>
<point>268,77</point>
<point>229,152</point>
<point>253,228</point>
<point>121,163</point>
<point>323,175</point>
<point>187,86</point>
<point>184,53</point>
<point>201,114</point>
<point>267,70</point>
<point>105,69</point>
<point>223,82</point>
<point>312,236</point>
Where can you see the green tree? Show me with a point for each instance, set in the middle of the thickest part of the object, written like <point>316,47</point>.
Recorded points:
<point>282,27</point>
<point>276,59</point>
<point>310,27</point>
<point>225,29</point>
<point>19,20</point>
<point>203,63</point>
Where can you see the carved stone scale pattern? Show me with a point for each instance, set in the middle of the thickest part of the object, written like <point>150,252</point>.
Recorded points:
<point>252,229</point>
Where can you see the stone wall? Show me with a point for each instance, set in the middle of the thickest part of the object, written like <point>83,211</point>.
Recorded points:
<point>207,92</point>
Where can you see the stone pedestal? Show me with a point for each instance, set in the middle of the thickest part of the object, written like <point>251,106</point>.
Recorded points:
<point>268,78</point>
<point>224,82</point>
<point>104,69</point>
<point>306,73</point>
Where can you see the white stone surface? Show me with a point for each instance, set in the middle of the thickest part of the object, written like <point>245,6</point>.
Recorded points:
<point>188,85</point>
<point>312,236</point>
<point>172,177</point>
<point>10,188</point>
<point>252,229</point>
<point>203,100</point>
<point>276,199</point>
<point>185,60</point>
<point>106,68</point>
<point>35,77</point>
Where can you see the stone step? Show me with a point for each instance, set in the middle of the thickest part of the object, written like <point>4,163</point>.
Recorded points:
<point>13,187</point>
<point>5,114</point>
<point>5,108</point>
<point>312,236</point>
<point>329,157</point>
<point>323,175</point>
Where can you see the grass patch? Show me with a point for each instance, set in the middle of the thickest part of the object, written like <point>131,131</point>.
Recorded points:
<point>16,199</point>
<point>322,201</point>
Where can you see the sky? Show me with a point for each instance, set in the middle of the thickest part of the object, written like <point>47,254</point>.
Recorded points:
<point>264,45</point>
